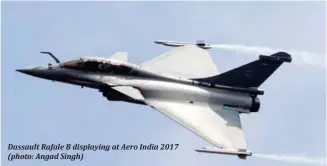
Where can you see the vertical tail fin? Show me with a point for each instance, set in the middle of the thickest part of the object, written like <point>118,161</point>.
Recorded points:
<point>252,74</point>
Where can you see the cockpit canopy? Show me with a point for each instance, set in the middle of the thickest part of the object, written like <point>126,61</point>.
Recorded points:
<point>98,65</point>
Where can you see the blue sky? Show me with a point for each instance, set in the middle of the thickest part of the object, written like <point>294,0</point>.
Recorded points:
<point>291,120</point>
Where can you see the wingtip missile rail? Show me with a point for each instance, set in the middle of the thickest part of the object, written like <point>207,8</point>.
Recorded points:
<point>242,154</point>
<point>199,43</point>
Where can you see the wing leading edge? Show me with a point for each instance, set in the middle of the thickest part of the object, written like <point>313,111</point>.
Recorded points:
<point>220,127</point>
<point>186,61</point>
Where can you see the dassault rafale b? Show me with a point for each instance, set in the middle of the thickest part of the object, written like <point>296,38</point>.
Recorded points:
<point>183,84</point>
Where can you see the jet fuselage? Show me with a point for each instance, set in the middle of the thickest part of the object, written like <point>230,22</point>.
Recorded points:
<point>94,73</point>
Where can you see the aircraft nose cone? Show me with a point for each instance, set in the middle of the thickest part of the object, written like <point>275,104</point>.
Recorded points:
<point>34,71</point>
<point>25,71</point>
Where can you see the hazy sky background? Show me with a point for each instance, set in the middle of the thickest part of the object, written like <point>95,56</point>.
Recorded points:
<point>291,119</point>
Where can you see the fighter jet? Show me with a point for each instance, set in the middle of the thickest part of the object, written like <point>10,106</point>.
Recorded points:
<point>183,84</point>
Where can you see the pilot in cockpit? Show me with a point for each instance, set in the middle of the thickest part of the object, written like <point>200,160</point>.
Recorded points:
<point>92,65</point>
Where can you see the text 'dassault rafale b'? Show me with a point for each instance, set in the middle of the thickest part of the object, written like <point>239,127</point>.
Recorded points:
<point>182,84</point>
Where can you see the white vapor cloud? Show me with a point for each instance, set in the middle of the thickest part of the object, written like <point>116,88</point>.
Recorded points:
<point>299,57</point>
<point>293,159</point>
